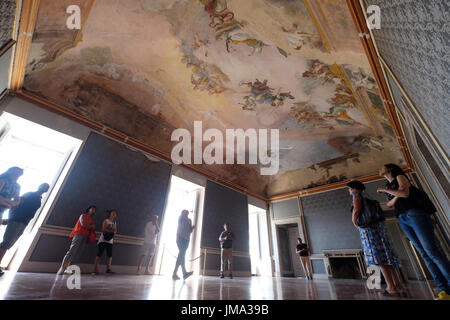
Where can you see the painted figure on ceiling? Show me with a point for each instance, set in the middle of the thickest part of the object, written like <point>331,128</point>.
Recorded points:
<point>319,70</point>
<point>297,39</point>
<point>218,11</point>
<point>261,93</point>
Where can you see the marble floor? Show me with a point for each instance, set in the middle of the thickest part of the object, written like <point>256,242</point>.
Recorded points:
<point>15,286</point>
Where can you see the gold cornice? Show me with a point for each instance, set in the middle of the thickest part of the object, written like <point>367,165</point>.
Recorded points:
<point>318,26</point>
<point>328,187</point>
<point>28,15</point>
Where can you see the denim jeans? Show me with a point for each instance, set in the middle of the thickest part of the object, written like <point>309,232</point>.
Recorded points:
<point>182,244</point>
<point>419,228</point>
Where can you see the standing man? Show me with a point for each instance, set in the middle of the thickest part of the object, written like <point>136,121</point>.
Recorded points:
<point>184,231</point>
<point>148,249</point>
<point>20,216</point>
<point>226,239</point>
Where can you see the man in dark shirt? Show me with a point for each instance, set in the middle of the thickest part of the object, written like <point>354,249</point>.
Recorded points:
<point>226,239</point>
<point>20,216</point>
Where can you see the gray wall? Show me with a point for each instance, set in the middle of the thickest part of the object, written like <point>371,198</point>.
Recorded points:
<point>7,14</point>
<point>4,69</point>
<point>109,175</point>
<point>223,205</point>
<point>414,40</point>
<point>328,219</point>
<point>285,209</point>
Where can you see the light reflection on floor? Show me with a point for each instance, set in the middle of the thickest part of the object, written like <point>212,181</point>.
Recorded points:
<point>49,286</point>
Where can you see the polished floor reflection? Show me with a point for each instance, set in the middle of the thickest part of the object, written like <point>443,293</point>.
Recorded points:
<point>49,286</point>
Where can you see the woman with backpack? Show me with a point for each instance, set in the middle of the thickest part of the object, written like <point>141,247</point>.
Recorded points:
<point>375,242</point>
<point>416,223</point>
<point>105,242</point>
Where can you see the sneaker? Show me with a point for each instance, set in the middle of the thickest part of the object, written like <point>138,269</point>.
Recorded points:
<point>109,271</point>
<point>187,275</point>
<point>231,276</point>
<point>95,273</point>
<point>222,276</point>
<point>443,296</point>
<point>175,277</point>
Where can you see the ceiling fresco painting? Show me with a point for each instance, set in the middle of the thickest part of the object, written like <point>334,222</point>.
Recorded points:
<point>147,67</point>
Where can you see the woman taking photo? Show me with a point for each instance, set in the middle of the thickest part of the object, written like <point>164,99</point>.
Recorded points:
<point>109,229</point>
<point>417,225</point>
<point>375,242</point>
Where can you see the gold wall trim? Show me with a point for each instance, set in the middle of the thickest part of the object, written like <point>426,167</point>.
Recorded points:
<point>318,26</point>
<point>27,23</point>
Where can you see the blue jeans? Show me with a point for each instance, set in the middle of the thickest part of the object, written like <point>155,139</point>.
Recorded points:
<point>182,244</point>
<point>419,228</point>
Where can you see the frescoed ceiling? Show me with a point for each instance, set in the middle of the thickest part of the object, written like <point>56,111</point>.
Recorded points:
<point>146,67</point>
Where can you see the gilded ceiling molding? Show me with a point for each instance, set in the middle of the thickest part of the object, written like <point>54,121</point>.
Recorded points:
<point>328,187</point>
<point>26,28</point>
<point>321,30</point>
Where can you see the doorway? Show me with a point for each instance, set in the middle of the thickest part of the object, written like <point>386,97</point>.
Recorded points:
<point>46,156</point>
<point>183,194</point>
<point>290,265</point>
<point>259,242</point>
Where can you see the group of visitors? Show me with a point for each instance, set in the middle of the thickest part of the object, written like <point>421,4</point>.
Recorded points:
<point>411,205</point>
<point>22,209</point>
<point>412,208</point>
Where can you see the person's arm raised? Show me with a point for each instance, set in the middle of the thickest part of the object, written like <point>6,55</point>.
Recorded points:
<point>403,188</point>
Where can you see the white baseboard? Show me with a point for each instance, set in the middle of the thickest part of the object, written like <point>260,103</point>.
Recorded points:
<point>52,267</point>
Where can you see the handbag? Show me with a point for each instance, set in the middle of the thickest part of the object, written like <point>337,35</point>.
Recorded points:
<point>108,235</point>
<point>371,213</point>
